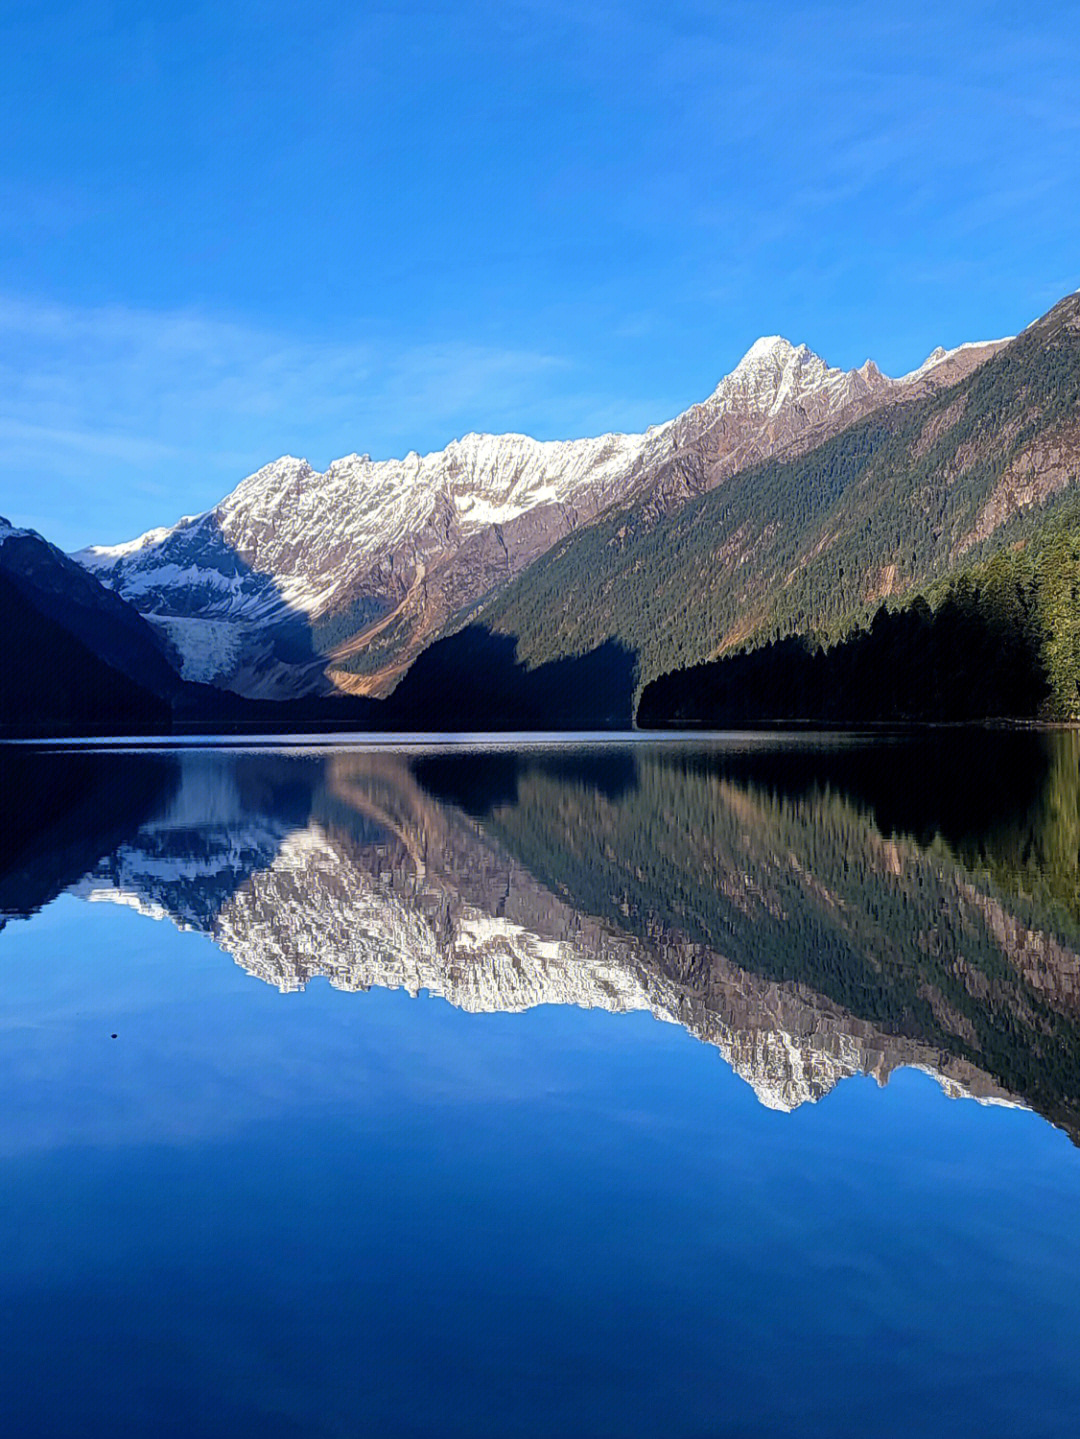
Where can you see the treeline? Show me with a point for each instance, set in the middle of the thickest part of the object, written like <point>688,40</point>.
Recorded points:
<point>910,664</point>
<point>1032,591</point>
<point>1001,639</point>
<point>328,631</point>
<point>797,546</point>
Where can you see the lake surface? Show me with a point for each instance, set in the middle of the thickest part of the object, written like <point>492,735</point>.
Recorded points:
<point>715,1088</point>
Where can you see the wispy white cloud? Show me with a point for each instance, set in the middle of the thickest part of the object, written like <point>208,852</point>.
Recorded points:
<point>19,440</point>
<point>105,413</point>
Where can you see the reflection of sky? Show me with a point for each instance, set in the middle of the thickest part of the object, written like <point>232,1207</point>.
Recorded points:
<point>327,1212</point>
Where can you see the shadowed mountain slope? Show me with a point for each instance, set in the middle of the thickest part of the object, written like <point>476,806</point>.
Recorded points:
<point>53,683</point>
<point>474,681</point>
<point>961,662</point>
<point>61,591</point>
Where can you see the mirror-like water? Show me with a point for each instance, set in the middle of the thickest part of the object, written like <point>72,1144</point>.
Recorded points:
<point>334,1099</point>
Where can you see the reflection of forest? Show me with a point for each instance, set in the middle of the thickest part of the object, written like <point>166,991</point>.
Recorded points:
<point>1033,852</point>
<point>801,865</point>
<point>812,908</point>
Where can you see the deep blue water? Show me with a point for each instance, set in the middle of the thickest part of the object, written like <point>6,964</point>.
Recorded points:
<point>336,1213</point>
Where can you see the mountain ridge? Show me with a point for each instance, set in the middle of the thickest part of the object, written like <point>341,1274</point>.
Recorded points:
<point>62,591</point>
<point>302,582</point>
<point>812,542</point>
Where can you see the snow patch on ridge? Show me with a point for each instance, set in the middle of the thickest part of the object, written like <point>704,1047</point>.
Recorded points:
<point>96,555</point>
<point>939,355</point>
<point>8,531</point>
<point>291,545</point>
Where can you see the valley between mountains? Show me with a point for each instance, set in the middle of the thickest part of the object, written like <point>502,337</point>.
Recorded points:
<point>506,582</point>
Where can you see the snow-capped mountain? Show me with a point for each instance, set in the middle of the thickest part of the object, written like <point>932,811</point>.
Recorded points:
<point>303,582</point>
<point>242,589</point>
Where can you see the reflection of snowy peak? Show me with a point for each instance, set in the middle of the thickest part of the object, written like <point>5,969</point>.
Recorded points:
<point>322,910</point>
<point>298,573</point>
<point>187,863</point>
<point>382,887</point>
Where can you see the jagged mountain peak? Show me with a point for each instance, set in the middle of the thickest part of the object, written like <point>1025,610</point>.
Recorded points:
<point>395,548</point>
<point>8,531</point>
<point>771,358</point>
<point>775,374</point>
<point>940,358</point>
<point>770,349</point>
<point>278,475</point>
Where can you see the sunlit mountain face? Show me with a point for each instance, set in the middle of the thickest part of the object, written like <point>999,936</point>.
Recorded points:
<point>302,582</point>
<point>813,909</point>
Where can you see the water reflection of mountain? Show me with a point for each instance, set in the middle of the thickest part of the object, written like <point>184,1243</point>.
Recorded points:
<point>59,813</point>
<point>776,862</point>
<point>812,912</point>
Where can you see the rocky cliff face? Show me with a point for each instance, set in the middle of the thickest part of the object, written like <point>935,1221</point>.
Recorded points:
<point>303,582</point>
<point>781,401</point>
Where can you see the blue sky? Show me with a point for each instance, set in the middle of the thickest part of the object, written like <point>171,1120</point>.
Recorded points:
<point>229,232</point>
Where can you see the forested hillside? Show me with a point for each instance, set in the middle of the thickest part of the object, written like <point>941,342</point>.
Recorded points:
<point>897,502</point>
<point>1000,639</point>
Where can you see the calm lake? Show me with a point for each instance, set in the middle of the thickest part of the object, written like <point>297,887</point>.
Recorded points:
<point>721,1087</point>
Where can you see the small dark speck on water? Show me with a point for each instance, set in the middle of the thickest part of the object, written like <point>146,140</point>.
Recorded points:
<point>112,1036</point>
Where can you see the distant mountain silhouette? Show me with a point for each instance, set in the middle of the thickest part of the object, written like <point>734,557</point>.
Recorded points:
<point>52,682</point>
